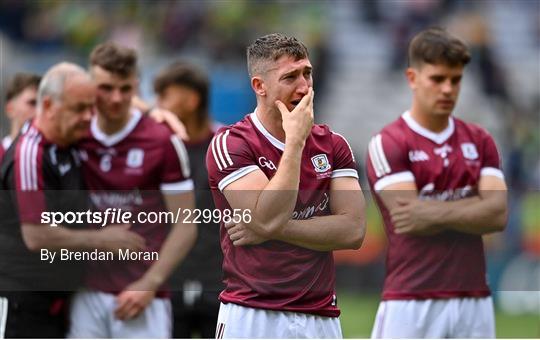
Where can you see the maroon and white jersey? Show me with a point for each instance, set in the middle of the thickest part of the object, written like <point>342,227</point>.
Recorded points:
<point>130,170</point>
<point>445,166</point>
<point>276,275</point>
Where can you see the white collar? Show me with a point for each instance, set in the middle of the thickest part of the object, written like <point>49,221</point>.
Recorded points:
<point>438,138</point>
<point>110,140</point>
<point>275,142</point>
<point>6,142</point>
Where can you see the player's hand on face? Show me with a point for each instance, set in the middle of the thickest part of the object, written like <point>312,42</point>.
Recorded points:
<point>169,118</point>
<point>409,217</point>
<point>297,123</point>
<point>133,300</point>
<point>116,237</point>
<point>240,235</point>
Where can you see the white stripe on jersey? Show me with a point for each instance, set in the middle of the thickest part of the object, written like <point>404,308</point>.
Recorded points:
<point>225,150</point>
<point>349,145</point>
<point>490,171</point>
<point>182,155</point>
<point>218,142</point>
<point>28,161</point>
<point>345,173</point>
<point>380,149</point>
<point>377,165</point>
<point>220,153</point>
<point>3,316</point>
<point>185,185</point>
<point>236,175</point>
<point>213,144</point>
<point>400,177</point>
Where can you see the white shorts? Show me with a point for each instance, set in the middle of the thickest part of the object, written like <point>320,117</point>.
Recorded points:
<point>92,316</point>
<point>236,321</point>
<point>435,318</point>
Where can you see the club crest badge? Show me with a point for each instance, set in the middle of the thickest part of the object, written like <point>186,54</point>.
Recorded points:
<point>135,158</point>
<point>320,163</point>
<point>469,151</point>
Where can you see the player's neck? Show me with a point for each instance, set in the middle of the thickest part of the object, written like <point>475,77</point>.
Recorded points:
<point>434,123</point>
<point>14,130</point>
<point>110,126</point>
<point>271,120</point>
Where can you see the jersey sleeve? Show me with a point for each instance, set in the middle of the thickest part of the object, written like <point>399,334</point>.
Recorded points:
<point>387,162</point>
<point>29,180</point>
<point>228,159</point>
<point>491,161</point>
<point>176,168</point>
<point>344,163</point>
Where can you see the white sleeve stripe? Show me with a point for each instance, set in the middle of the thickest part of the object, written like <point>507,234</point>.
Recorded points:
<point>214,153</point>
<point>219,151</point>
<point>344,173</point>
<point>382,156</point>
<point>182,155</point>
<point>186,185</point>
<point>225,150</point>
<point>236,175</point>
<point>349,145</point>
<point>375,158</point>
<point>405,176</point>
<point>3,316</point>
<point>489,171</point>
<point>22,163</point>
<point>28,164</point>
<point>33,165</point>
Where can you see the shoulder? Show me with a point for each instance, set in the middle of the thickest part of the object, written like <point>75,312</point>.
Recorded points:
<point>157,131</point>
<point>470,128</point>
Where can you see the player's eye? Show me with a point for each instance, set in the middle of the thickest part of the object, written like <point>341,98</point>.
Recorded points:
<point>437,79</point>
<point>456,80</point>
<point>105,87</point>
<point>125,89</point>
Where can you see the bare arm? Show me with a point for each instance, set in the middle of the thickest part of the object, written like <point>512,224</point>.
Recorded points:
<point>272,202</point>
<point>111,238</point>
<point>344,229</point>
<point>481,214</point>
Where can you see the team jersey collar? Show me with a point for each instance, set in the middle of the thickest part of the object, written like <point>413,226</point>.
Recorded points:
<point>6,142</point>
<point>275,142</point>
<point>110,140</point>
<point>438,138</point>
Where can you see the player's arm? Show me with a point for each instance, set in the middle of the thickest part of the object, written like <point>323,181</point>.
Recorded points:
<point>345,228</point>
<point>111,238</point>
<point>481,214</point>
<point>271,202</point>
<point>138,295</point>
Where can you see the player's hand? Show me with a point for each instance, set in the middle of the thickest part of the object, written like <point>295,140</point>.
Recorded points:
<point>240,235</point>
<point>169,118</point>
<point>411,216</point>
<point>114,237</point>
<point>297,124</point>
<point>133,300</point>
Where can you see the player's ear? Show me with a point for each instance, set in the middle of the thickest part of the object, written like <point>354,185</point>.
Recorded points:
<point>412,76</point>
<point>258,86</point>
<point>8,109</point>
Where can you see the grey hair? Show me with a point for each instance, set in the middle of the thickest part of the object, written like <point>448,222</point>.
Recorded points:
<point>52,83</point>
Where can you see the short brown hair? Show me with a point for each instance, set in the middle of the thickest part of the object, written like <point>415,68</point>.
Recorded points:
<point>20,82</point>
<point>184,74</point>
<point>271,47</point>
<point>114,58</point>
<point>437,46</point>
